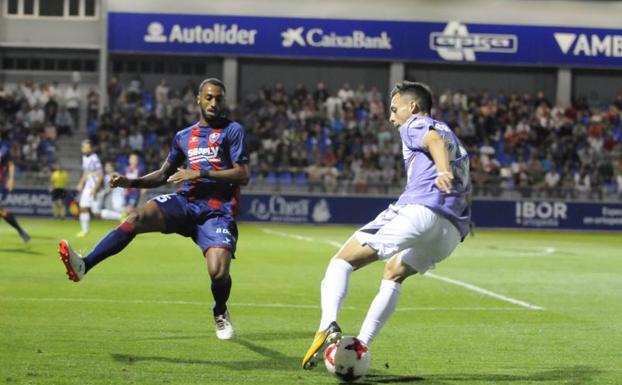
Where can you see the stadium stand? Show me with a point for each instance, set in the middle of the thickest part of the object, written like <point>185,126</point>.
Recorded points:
<point>336,141</point>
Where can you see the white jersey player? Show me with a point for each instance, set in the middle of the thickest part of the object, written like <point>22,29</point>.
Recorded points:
<point>110,201</point>
<point>422,228</point>
<point>89,185</point>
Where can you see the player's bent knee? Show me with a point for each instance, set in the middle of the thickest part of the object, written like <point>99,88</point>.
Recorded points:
<point>398,271</point>
<point>218,261</point>
<point>356,254</point>
<point>134,218</point>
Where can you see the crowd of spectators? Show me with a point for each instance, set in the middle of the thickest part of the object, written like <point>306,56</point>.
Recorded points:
<point>28,118</point>
<point>339,141</point>
<point>528,145</point>
<point>519,144</point>
<point>32,116</point>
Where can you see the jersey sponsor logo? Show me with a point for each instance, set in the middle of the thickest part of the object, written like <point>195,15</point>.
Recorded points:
<point>210,152</point>
<point>318,38</point>
<point>200,154</point>
<point>456,43</point>
<point>585,44</point>
<point>215,34</point>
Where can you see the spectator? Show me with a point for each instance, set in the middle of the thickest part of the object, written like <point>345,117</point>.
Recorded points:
<point>72,102</point>
<point>552,183</point>
<point>64,122</point>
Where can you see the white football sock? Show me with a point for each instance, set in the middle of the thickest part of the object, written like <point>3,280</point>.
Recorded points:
<point>381,309</point>
<point>111,215</point>
<point>334,290</point>
<point>84,221</point>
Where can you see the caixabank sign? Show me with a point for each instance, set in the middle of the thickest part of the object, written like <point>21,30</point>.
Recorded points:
<point>451,41</point>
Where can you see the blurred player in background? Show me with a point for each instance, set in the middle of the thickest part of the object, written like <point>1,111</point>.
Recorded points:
<point>58,187</point>
<point>110,202</point>
<point>122,201</point>
<point>210,159</point>
<point>422,228</point>
<point>89,185</point>
<point>7,182</point>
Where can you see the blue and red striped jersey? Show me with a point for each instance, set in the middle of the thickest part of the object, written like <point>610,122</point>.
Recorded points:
<point>5,158</point>
<point>209,148</point>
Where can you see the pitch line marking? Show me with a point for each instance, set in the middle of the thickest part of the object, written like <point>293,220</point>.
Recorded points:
<point>252,305</point>
<point>465,285</point>
<point>480,290</point>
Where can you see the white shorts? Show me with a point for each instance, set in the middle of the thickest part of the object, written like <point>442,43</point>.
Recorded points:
<point>420,236</point>
<point>117,202</point>
<point>87,200</point>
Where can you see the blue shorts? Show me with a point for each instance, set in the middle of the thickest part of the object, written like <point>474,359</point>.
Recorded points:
<point>208,227</point>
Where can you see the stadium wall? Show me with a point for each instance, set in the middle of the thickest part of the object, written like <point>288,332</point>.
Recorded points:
<point>493,79</point>
<point>325,209</point>
<point>46,33</point>
<point>528,12</point>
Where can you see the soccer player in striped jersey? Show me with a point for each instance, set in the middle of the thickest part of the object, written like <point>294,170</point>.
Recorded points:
<point>7,182</point>
<point>210,161</point>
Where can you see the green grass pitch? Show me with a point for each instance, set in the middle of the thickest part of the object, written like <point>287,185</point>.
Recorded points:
<point>144,317</point>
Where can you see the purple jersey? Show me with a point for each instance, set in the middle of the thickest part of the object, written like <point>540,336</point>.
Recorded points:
<point>421,172</point>
<point>206,148</point>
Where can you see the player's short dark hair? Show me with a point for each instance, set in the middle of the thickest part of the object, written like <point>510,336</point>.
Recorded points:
<point>419,91</point>
<point>214,81</point>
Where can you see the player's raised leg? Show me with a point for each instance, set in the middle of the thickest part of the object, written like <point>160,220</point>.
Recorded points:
<point>334,290</point>
<point>218,263</point>
<point>148,218</point>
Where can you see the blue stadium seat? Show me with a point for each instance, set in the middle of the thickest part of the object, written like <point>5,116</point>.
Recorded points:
<point>270,178</point>
<point>285,178</point>
<point>301,179</point>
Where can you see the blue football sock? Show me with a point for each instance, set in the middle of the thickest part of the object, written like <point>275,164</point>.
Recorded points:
<point>221,290</point>
<point>111,244</point>
<point>10,219</point>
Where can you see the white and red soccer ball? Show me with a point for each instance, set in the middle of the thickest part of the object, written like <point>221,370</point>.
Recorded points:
<point>348,359</point>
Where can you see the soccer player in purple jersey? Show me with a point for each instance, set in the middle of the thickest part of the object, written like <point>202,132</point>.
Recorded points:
<point>210,160</point>
<point>7,182</point>
<point>422,228</point>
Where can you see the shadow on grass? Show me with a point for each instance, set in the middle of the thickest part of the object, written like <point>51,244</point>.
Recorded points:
<point>275,360</point>
<point>272,359</point>
<point>22,250</point>
<point>283,364</point>
<point>389,379</point>
<point>576,375</point>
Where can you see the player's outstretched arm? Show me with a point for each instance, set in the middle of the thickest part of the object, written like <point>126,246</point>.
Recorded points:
<point>239,174</point>
<point>153,179</point>
<point>435,144</point>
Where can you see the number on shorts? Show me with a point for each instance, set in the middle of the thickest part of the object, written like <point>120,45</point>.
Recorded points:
<point>163,198</point>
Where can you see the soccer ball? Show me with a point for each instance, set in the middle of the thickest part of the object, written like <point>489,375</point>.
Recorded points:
<point>348,359</point>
